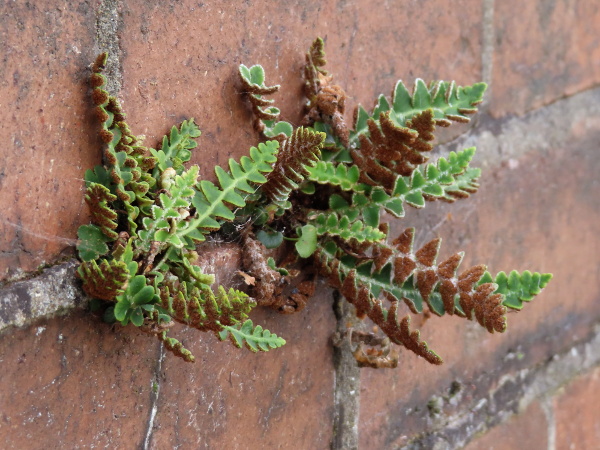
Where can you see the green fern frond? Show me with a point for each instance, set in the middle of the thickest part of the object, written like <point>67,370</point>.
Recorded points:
<point>176,148</point>
<point>254,338</point>
<point>518,288</point>
<point>447,180</point>
<point>167,220</point>
<point>335,174</point>
<point>447,101</point>
<point>348,228</point>
<point>300,151</point>
<point>211,201</point>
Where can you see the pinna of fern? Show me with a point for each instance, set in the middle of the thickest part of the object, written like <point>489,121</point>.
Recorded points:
<point>333,209</point>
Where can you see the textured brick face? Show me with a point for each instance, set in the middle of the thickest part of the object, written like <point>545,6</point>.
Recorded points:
<point>543,51</point>
<point>181,60</point>
<point>232,398</point>
<point>520,219</point>
<point>45,129</point>
<point>78,382</point>
<point>75,382</point>
<point>578,412</point>
<point>526,430</point>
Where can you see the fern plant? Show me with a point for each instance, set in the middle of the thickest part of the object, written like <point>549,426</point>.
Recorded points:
<point>148,212</point>
<point>319,188</point>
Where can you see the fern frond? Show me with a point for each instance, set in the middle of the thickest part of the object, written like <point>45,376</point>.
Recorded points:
<point>197,306</point>
<point>176,148</point>
<point>266,116</point>
<point>166,222</point>
<point>176,347</point>
<point>254,338</point>
<point>98,198</point>
<point>447,101</point>
<point>353,287</point>
<point>106,280</point>
<point>393,150</point>
<point>313,69</point>
<point>300,151</point>
<point>211,201</point>
<point>518,288</point>
<point>128,162</point>
<point>348,228</point>
<point>447,180</point>
<point>327,172</point>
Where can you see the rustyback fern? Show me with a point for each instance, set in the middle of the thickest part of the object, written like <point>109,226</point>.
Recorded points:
<point>320,190</point>
<point>148,211</point>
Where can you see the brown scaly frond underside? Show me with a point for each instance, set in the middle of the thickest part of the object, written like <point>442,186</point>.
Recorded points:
<point>301,149</point>
<point>202,309</point>
<point>477,301</point>
<point>359,295</point>
<point>313,69</point>
<point>105,280</point>
<point>391,150</point>
<point>98,198</point>
<point>326,101</point>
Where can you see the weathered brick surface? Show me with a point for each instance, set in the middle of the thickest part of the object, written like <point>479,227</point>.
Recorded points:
<point>181,59</point>
<point>45,128</point>
<point>543,51</point>
<point>77,382</point>
<point>526,430</point>
<point>74,382</point>
<point>577,413</point>
<point>522,218</point>
<point>231,398</point>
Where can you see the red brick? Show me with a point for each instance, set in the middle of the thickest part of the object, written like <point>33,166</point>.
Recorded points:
<point>532,216</point>
<point>528,429</point>
<point>185,61</point>
<point>74,382</point>
<point>232,398</point>
<point>577,413</point>
<point>543,51</point>
<point>45,127</point>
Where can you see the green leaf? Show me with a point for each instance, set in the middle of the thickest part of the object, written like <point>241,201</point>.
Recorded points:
<point>137,317</point>
<point>121,309</point>
<point>447,101</point>
<point>270,240</point>
<point>307,243</point>
<point>210,200</point>
<point>518,288</point>
<point>254,338</point>
<point>92,242</point>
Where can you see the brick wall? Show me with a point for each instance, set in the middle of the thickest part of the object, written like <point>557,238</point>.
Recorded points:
<point>70,380</point>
